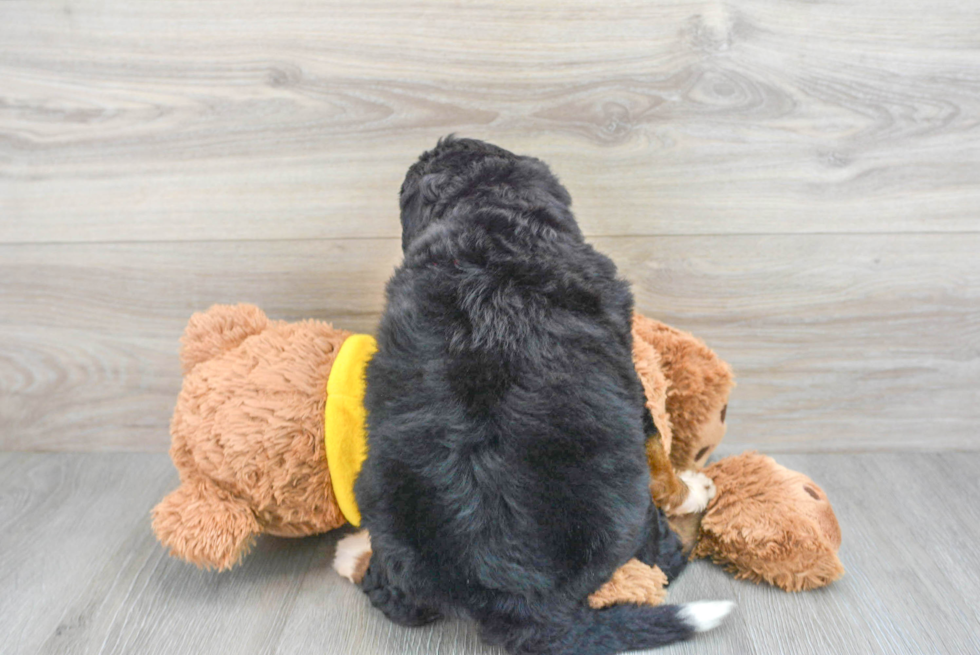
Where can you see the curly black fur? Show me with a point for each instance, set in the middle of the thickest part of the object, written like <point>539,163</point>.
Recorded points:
<point>506,475</point>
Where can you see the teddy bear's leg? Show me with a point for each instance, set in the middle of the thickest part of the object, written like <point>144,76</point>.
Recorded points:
<point>205,525</point>
<point>633,582</point>
<point>396,604</point>
<point>220,328</point>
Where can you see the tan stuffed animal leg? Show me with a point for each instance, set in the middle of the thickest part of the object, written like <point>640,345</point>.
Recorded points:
<point>633,582</point>
<point>205,525</point>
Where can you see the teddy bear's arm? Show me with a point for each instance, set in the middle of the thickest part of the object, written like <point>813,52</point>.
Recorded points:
<point>205,525</point>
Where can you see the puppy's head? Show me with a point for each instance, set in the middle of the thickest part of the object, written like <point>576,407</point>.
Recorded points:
<point>461,175</point>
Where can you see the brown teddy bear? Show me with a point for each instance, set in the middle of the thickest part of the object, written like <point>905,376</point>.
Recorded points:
<point>247,435</point>
<point>254,456</point>
<point>763,522</point>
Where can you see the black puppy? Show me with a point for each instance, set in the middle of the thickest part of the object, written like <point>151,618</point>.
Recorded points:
<point>506,477</point>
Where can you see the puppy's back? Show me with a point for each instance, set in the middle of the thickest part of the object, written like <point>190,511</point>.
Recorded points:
<point>505,473</point>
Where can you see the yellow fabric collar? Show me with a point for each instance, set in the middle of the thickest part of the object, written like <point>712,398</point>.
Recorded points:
<point>345,420</point>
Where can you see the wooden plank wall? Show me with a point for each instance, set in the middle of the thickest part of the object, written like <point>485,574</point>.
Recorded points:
<point>796,182</point>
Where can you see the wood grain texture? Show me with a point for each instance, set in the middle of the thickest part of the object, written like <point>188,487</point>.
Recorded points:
<point>795,182</point>
<point>89,354</point>
<point>62,520</point>
<point>82,572</point>
<point>847,342</point>
<point>217,120</point>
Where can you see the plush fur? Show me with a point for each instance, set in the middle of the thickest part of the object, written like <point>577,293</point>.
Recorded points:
<point>771,524</point>
<point>686,387</point>
<point>248,426</point>
<point>696,397</point>
<point>506,476</point>
<point>633,582</point>
<point>247,435</point>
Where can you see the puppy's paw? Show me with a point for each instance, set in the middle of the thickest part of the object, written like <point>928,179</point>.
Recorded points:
<point>701,490</point>
<point>353,556</point>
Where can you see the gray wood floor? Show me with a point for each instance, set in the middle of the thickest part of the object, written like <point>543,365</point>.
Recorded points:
<point>81,572</point>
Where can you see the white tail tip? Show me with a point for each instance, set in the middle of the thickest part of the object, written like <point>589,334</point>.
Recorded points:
<point>706,614</point>
<point>350,553</point>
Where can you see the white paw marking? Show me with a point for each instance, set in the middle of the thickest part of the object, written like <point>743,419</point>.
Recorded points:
<point>706,614</point>
<point>700,490</point>
<point>350,549</point>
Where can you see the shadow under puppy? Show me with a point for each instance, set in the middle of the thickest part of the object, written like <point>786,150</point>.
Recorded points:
<point>506,478</point>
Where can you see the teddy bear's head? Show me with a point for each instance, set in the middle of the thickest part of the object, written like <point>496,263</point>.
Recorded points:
<point>770,523</point>
<point>247,435</point>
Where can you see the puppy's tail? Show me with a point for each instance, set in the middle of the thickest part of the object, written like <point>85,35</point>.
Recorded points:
<point>618,628</point>
<point>632,627</point>
<point>589,632</point>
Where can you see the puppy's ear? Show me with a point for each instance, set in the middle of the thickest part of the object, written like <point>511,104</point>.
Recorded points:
<point>418,199</point>
<point>410,202</point>
<point>431,186</point>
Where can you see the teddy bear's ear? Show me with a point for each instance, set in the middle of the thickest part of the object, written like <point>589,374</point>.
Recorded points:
<point>220,328</point>
<point>698,383</point>
<point>649,368</point>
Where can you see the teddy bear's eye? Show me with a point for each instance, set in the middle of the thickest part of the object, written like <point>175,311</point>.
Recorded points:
<point>813,492</point>
<point>724,410</point>
<point>701,453</point>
